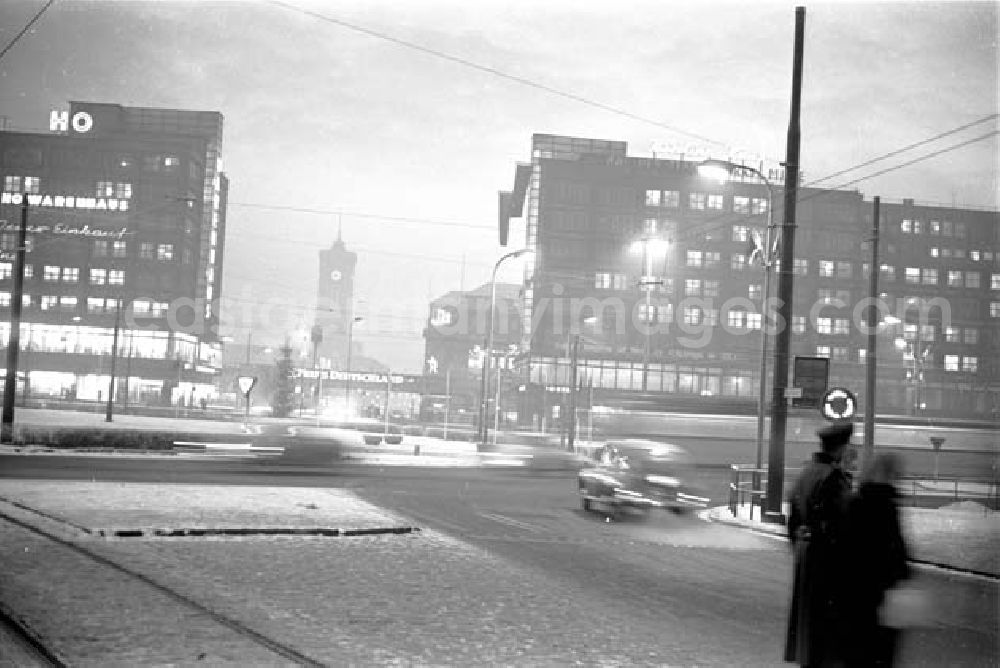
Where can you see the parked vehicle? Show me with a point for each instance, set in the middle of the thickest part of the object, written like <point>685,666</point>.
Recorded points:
<point>640,474</point>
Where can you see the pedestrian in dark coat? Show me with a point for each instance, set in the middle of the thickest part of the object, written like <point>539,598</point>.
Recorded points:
<point>878,560</point>
<point>816,528</point>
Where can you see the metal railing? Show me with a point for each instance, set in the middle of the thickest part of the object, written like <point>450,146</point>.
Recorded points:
<point>747,485</point>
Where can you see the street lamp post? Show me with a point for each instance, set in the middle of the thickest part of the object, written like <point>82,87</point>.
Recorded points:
<point>484,385</point>
<point>350,349</point>
<point>723,169</point>
<point>649,246</point>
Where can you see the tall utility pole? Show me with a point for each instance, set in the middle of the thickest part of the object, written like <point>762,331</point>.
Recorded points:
<point>14,341</point>
<point>872,321</point>
<point>779,406</point>
<point>574,364</point>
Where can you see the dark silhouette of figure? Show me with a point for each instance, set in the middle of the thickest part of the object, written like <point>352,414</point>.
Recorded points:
<point>878,560</point>
<point>816,528</point>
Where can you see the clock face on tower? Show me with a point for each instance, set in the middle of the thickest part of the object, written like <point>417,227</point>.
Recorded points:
<point>335,275</point>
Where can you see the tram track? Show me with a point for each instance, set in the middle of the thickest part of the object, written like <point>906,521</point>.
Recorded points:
<point>52,657</point>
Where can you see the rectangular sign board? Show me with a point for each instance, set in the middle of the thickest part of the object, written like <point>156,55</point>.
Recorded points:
<point>811,375</point>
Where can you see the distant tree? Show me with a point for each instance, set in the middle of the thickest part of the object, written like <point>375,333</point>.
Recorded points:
<point>284,380</point>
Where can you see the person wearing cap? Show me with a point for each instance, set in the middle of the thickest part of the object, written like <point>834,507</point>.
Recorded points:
<point>817,532</point>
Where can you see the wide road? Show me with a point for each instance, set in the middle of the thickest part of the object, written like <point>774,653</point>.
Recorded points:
<point>726,588</point>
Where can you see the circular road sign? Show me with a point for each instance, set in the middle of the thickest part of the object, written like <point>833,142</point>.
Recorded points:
<point>838,404</point>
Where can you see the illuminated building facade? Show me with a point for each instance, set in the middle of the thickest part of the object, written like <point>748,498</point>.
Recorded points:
<point>595,216</point>
<point>126,230</point>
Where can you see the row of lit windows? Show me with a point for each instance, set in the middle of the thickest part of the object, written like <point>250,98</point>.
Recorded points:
<point>94,304</point>
<point>698,201</point>
<point>966,363</point>
<point>934,227</point>
<point>960,254</point>
<point>955,278</point>
<point>22,184</point>
<point>148,250</point>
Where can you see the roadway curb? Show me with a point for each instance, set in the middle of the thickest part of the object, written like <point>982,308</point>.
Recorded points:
<point>717,515</point>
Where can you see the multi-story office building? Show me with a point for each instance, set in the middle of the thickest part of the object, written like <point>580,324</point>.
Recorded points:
<point>126,224</point>
<point>657,270</point>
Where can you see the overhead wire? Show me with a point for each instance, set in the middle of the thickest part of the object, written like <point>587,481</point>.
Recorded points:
<point>494,71</point>
<point>26,28</point>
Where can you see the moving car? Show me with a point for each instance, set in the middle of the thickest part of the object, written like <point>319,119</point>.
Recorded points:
<point>634,473</point>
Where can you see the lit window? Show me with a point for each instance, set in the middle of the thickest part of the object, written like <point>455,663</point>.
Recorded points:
<point>735,318</point>
<point>715,202</point>
<point>954,279</point>
<point>170,162</point>
<point>105,189</point>
<point>755,290</point>
<point>995,309</point>
<point>125,161</point>
<point>692,315</point>
<point>935,252</point>
<point>712,258</point>
<point>824,325</point>
<point>801,266</point>
<point>798,324</point>
<point>692,286</point>
<point>906,225</point>
<point>95,305</point>
<point>159,309</point>
<point>165,252</point>
<point>119,249</point>
<point>653,198</point>
<point>671,199</point>
<point>741,233</point>
<point>970,364</point>
<point>995,282</point>
<point>825,295</point>
<point>826,268</point>
<point>971,336</point>
<point>951,334</point>
<point>843,270</point>
<point>6,270</point>
<point>29,271</point>
<point>32,184</point>
<point>147,250</point>
<point>712,317</point>
<point>918,227</point>
<point>619,281</point>
<point>753,320</point>
<point>913,275</point>
<point>974,255</point>
<point>930,276</point>
<point>116,277</point>
<point>4,299</point>
<point>49,302</point>
<point>71,274</point>
<point>822,351</point>
<point>935,227</point>
<point>758,206</point>
<point>67,303</point>
<point>910,332</point>
<point>696,201</point>
<point>647,313</point>
<point>972,279</point>
<point>602,280</point>
<point>123,190</point>
<point>710,289</point>
<point>694,258</point>
<point>927,332</point>
<point>738,262</point>
<point>951,362</point>
<point>741,204</point>
<point>841,326</point>
<point>12,184</point>
<point>98,276</point>
<point>141,306</point>
<point>51,273</point>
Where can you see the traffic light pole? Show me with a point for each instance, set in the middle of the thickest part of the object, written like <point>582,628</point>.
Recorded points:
<point>14,340</point>
<point>779,405</point>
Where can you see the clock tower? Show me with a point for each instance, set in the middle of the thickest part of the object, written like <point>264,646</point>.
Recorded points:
<point>335,301</point>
